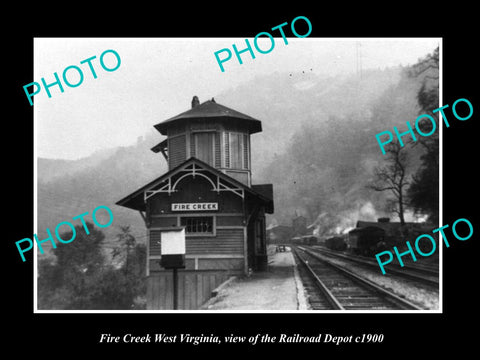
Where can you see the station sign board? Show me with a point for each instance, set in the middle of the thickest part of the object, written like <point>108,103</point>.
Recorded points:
<point>211,206</point>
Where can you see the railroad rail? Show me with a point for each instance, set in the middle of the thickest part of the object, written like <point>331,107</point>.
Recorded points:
<point>339,289</point>
<point>421,274</point>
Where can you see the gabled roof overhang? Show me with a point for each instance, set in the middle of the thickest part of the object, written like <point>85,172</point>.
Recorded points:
<point>220,182</point>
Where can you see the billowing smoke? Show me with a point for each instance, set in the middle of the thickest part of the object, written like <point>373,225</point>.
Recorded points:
<point>329,224</point>
<point>327,161</point>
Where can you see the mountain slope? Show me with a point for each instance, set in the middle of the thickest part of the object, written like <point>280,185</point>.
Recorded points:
<point>290,107</point>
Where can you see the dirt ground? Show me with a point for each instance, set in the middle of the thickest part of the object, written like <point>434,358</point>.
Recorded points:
<point>278,288</point>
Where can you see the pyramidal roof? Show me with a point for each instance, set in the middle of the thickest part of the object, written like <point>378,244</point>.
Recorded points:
<point>211,110</point>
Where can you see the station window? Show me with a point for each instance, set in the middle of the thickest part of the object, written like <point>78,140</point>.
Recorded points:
<point>204,147</point>
<point>236,150</point>
<point>198,224</point>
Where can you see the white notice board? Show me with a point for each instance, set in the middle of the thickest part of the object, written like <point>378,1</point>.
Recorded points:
<point>173,241</point>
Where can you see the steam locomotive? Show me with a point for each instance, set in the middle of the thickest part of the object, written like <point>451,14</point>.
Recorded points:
<point>365,241</point>
<point>336,243</point>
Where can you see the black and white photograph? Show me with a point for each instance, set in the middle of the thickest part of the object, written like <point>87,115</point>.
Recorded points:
<point>262,187</point>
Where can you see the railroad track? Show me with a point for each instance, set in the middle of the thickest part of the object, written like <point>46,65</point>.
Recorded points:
<point>420,274</point>
<point>332,287</point>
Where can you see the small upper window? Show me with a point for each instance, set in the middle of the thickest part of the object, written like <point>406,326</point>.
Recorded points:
<point>198,224</point>
<point>204,146</point>
<point>236,150</point>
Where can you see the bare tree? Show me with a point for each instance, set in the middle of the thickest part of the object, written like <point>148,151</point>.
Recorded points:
<point>393,177</point>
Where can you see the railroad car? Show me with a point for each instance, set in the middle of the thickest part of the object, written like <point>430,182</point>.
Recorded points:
<point>297,240</point>
<point>336,243</point>
<point>365,241</point>
<point>309,240</point>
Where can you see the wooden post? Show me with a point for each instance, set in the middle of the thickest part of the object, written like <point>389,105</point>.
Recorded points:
<point>175,289</point>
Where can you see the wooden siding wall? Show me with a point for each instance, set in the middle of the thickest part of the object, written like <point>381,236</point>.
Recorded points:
<point>194,289</point>
<point>246,152</point>
<point>218,155</point>
<point>226,241</point>
<point>193,153</point>
<point>226,155</point>
<point>172,220</point>
<point>177,152</point>
<point>154,243</point>
<point>242,176</point>
<point>235,265</point>
<point>223,250</point>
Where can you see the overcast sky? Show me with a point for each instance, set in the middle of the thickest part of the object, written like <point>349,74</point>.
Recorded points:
<point>158,77</point>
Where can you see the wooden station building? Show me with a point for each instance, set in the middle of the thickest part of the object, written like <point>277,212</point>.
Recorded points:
<point>208,190</point>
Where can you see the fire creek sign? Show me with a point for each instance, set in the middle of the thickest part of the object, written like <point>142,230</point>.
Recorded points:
<point>194,206</point>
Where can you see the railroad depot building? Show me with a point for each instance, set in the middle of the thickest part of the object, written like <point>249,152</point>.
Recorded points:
<point>208,190</point>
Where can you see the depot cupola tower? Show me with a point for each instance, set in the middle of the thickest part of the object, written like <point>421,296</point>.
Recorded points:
<point>212,133</point>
